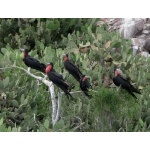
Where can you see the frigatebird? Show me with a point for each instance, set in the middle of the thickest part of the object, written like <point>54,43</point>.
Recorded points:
<point>123,83</point>
<point>57,79</point>
<point>72,68</point>
<point>85,85</point>
<point>32,62</point>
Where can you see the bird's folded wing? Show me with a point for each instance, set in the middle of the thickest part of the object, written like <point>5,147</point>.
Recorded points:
<point>33,59</point>
<point>74,67</point>
<point>57,75</point>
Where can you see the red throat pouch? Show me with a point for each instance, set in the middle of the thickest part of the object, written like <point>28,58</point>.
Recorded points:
<point>24,54</point>
<point>116,73</point>
<point>48,68</point>
<point>65,58</point>
<point>84,78</point>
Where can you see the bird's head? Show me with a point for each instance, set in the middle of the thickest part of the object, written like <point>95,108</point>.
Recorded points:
<point>65,57</point>
<point>49,67</point>
<point>24,51</point>
<point>117,72</point>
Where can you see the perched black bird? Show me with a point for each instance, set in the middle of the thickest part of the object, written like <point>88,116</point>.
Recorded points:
<point>72,68</point>
<point>85,85</point>
<point>32,62</point>
<point>120,81</point>
<point>57,79</point>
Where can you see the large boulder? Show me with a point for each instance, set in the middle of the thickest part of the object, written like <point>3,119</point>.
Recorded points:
<point>147,45</point>
<point>136,29</point>
<point>131,28</point>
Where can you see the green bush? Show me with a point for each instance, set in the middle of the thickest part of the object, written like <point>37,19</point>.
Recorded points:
<point>26,105</point>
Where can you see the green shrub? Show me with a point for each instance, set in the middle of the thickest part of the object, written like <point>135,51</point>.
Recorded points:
<point>27,107</point>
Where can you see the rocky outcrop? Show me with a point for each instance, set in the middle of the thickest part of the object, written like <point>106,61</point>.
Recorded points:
<point>131,28</point>
<point>136,29</point>
<point>147,45</point>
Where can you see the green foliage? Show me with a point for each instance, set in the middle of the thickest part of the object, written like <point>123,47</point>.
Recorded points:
<point>25,105</point>
<point>32,31</point>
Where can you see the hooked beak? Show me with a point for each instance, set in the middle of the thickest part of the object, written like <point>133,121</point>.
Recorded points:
<point>87,76</point>
<point>118,72</point>
<point>63,55</point>
<point>22,49</point>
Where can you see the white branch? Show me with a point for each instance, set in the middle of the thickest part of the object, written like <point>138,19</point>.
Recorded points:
<point>73,92</point>
<point>78,126</point>
<point>34,118</point>
<point>55,105</point>
<point>46,82</point>
<point>58,107</point>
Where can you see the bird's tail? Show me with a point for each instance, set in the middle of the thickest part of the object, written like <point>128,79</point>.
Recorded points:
<point>65,89</point>
<point>135,90</point>
<point>133,95</point>
<point>69,95</point>
<point>87,94</point>
<point>131,92</point>
<point>70,87</point>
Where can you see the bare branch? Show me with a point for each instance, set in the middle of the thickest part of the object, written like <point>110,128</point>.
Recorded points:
<point>6,68</point>
<point>55,105</point>
<point>46,82</point>
<point>73,92</point>
<point>79,126</point>
<point>34,118</point>
<point>58,108</point>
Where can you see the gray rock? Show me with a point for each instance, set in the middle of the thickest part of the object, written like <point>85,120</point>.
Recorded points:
<point>136,29</point>
<point>145,54</point>
<point>139,24</point>
<point>135,50</point>
<point>142,41</point>
<point>147,45</point>
<point>132,28</point>
<point>146,32</point>
<point>147,27</point>
<point>135,42</point>
<point>147,20</point>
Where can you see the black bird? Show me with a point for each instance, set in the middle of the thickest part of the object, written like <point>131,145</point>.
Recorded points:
<point>32,62</point>
<point>72,68</point>
<point>85,85</point>
<point>57,79</point>
<point>125,84</point>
